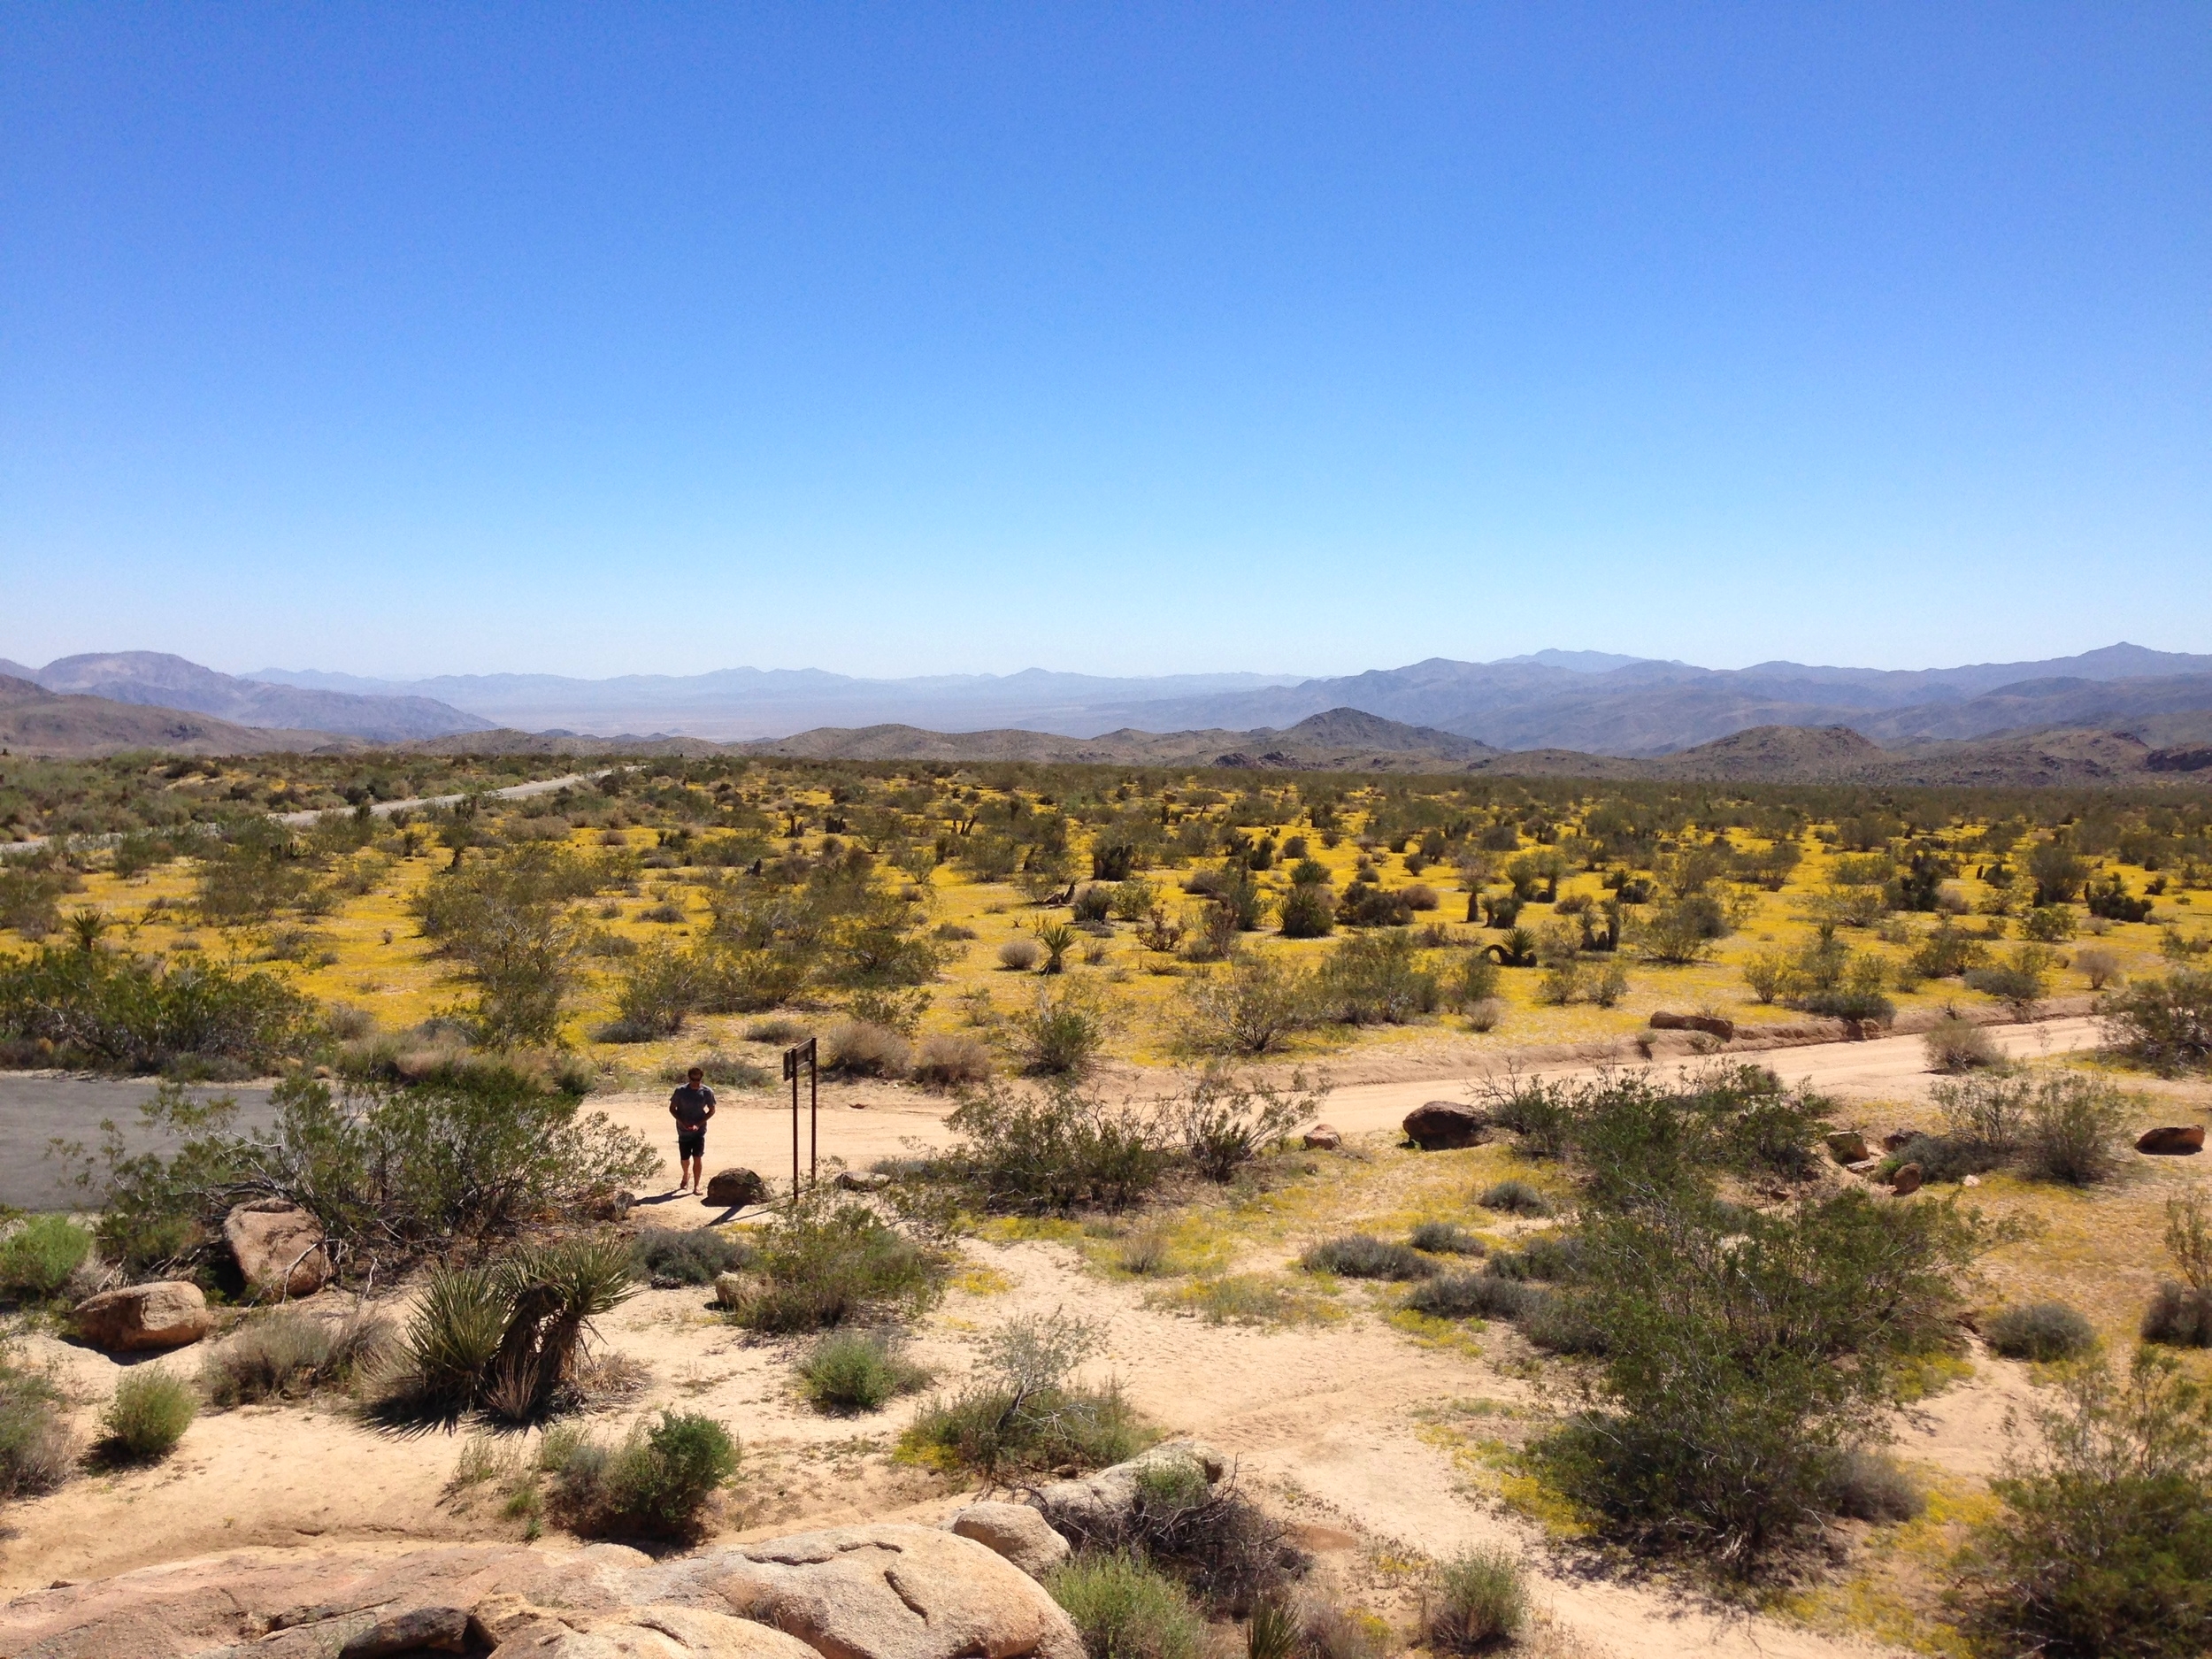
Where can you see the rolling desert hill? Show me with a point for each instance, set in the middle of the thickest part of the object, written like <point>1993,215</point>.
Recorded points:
<point>160,680</point>
<point>36,721</point>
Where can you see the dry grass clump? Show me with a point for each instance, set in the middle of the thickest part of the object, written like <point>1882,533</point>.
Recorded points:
<point>1361,1255</point>
<point>2041,1330</point>
<point>1020,953</point>
<point>1476,1600</point>
<point>861,1048</point>
<point>951,1059</point>
<point>1955,1045</point>
<point>288,1355</point>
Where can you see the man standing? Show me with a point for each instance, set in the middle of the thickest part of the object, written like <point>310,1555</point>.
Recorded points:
<point>691,1106</point>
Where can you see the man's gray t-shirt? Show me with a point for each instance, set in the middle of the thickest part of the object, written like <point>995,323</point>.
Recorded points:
<point>691,1106</point>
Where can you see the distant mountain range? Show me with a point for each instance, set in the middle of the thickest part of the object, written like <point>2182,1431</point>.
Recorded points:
<point>160,680</point>
<point>2121,713</point>
<point>1593,701</point>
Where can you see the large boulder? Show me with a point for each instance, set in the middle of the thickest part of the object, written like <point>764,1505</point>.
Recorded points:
<point>736,1187</point>
<point>1015,1531</point>
<point>1097,1506</point>
<point>2171,1139</point>
<point>279,1248</point>
<point>168,1313</point>
<point>885,1592</point>
<point>1442,1124</point>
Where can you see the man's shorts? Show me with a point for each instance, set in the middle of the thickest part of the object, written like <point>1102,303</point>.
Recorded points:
<point>691,1143</point>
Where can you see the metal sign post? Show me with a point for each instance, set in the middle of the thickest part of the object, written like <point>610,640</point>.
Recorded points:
<point>807,1051</point>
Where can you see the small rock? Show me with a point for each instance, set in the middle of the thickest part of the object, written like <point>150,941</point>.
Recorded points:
<point>1864,1166</point>
<point>168,1313</point>
<point>279,1248</point>
<point>1849,1146</point>
<point>1907,1180</point>
<point>1712,1025</point>
<point>863,1180</point>
<point>2171,1140</point>
<point>1323,1138</point>
<point>441,1629</point>
<point>1442,1124</point>
<point>733,1188</point>
<point>1970,1180</point>
<point>1016,1532</point>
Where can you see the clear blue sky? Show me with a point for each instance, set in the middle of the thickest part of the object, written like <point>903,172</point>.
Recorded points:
<point>904,339</point>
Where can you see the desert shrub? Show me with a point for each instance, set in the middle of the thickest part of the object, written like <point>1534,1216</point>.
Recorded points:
<point>2179,1316</point>
<point>2048,925</point>
<point>666,1257</point>
<point>1225,1120</point>
<point>1418,895</point>
<point>2165,1024</point>
<point>1022,1411</point>
<point>148,1417</point>
<point>1061,1036</point>
<point>1445,1238</point>
<point>35,1453</point>
<point>1020,953</point>
<point>824,1262</point>
<point>1547,1256</point>
<point>2100,967</point>
<point>2022,980</point>
<point>286,1354</point>
<point>1055,1150</point>
<point>467,1150</point>
<point>657,1483</point>
<point>1360,1255</point>
<point>505,1337</point>
<point>1683,932</point>
<point>1955,1045</point>
<point>1250,1007</point>
<point>1125,1608</point>
<point>1309,912</point>
<point>1868,1486</point>
<point>1144,1253</point>
<point>1472,1296</point>
<point>722,1071</point>
<point>108,1011</point>
<point>1472,982</point>
<point>39,1257</point>
<point>778,1031</point>
<point>2104,1545</point>
<point>1377,978</point>
<point>860,1047</point>
<point>949,1060</point>
<point>658,990</point>
<point>2073,1132</point>
<point>1092,904</point>
<point>1742,1351</point>
<point>2039,1331</point>
<point>1475,1600</point>
<point>1514,1198</point>
<point>850,1371</point>
<point>1987,1116</point>
<point>1941,1158</point>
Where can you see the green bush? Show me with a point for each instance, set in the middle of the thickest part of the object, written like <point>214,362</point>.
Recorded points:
<point>666,1257</point>
<point>1125,1608</point>
<point>37,1259</point>
<point>2073,1132</point>
<point>2164,1023</point>
<point>1359,1256</point>
<point>1226,1121</point>
<point>824,1262</point>
<point>1308,912</point>
<point>1956,1045</point>
<point>1514,1198</point>
<point>286,1354</point>
<point>1472,1296</point>
<point>35,1455</point>
<point>1251,1007</point>
<point>2179,1316</point>
<point>1445,1238</point>
<point>1021,1411</point>
<point>851,1371</point>
<point>1476,1600</point>
<point>2041,1330</point>
<point>111,1012</point>
<point>1061,1034</point>
<point>2105,1542</point>
<point>1377,978</point>
<point>148,1417</point>
<point>1868,1486</point>
<point>1055,1150</point>
<point>657,1483</point>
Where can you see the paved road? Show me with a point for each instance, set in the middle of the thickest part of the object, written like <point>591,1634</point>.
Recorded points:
<point>36,1107</point>
<point>382,808</point>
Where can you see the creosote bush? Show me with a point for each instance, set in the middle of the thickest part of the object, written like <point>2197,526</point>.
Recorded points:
<point>1125,1608</point>
<point>1022,1411</point>
<point>824,1261</point>
<point>666,1257</point>
<point>1053,1151</point>
<point>148,1417</point>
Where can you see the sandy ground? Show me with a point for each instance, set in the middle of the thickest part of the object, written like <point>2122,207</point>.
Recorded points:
<point>1367,1437</point>
<point>858,1123</point>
